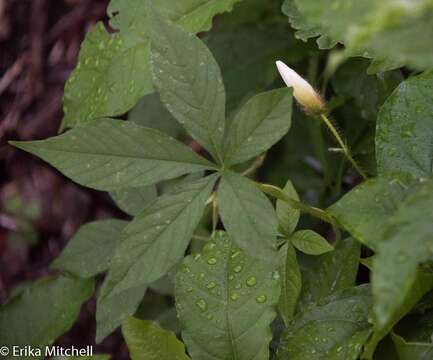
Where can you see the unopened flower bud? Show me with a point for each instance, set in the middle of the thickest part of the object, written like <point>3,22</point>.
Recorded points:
<point>303,92</point>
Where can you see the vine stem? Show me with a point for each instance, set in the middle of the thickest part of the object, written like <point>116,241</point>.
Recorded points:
<point>343,145</point>
<point>278,193</point>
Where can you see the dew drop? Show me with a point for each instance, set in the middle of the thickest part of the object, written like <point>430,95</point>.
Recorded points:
<point>212,261</point>
<point>235,254</point>
<point>234,297</point>
<point>201,304</point>
<point>209,246</point>
<point>237,269</point>
<point>251,281</point>
<point>210,285</point>
<point>261,299</point>
<point>185,269</point>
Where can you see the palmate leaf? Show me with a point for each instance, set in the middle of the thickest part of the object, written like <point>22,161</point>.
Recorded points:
<point>291,282</point>
<point>113,154</point>
<point>90,250</point>
<point>43,311</point>
<point>405,129</point>
<point>189,82</point>
<point>333,329</point>
<point>395,266</point>
<point>147,341</point>
<point>328,273</point>
<point>113,71</point>
<point>259,124</point>
<point>226,300</point>
<point>151,245</point>
<point>364,210</point>
<point>248,216</point>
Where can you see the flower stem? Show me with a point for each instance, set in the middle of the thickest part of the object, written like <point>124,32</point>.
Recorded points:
<point>343,146</point>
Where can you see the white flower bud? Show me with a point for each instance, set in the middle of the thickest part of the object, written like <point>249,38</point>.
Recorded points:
<point>302,90</point>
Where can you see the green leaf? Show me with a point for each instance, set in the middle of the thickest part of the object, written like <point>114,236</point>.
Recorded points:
<point>325,274</point>
<point>368,92</point>
<point>412,350</point>
<point>305,30</point>
<point>423,284</point>
<point>334,329</point>
<point>364,210</point>
<point>405,130</point>
<point>259,124</point>
<point>226,300</point>
<point>151,112</point>
<point>112,311</point>
<point>389,31</point>
<point>395,266</point>
<point>113,154</point>
<point>310,242</point>
<point>250,68</point>
<point>288,217</point>
<point>43,311</point>
<point>113,71</point>
<point>291,282</point>
<point>248,216</point>
<point>147,341</point>
<point>152,244</point>
<point>189,82</point>
<point>90,250</point>
<point>134,200</point>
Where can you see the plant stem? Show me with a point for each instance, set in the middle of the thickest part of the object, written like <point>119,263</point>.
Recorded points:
<point>255,165</point>
<point>343,146</point>
<point>278,193</point>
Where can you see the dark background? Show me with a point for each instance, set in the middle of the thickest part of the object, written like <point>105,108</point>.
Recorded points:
<point>40,208</point>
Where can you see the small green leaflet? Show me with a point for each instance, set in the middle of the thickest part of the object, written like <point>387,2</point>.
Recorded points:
<point>364,210</point>
<point>43,311</point>
<point>189,82</point>
<point>226,301</point>
<point>113,71</point>
<point>291,282</point>
<point>90,250</point>
<point>259,124</point>
<point>396,263</point>
<point>147,341</point>
<point>405,129</point>
<point>412,350</point>
<point>113,154</point>
<point>310,242</point>
<point>248,216</point>
<point>134,200</point>
<point>288,217</point>
<point>334,329</point>
<point>325,274</point>
<point>153,243</point>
